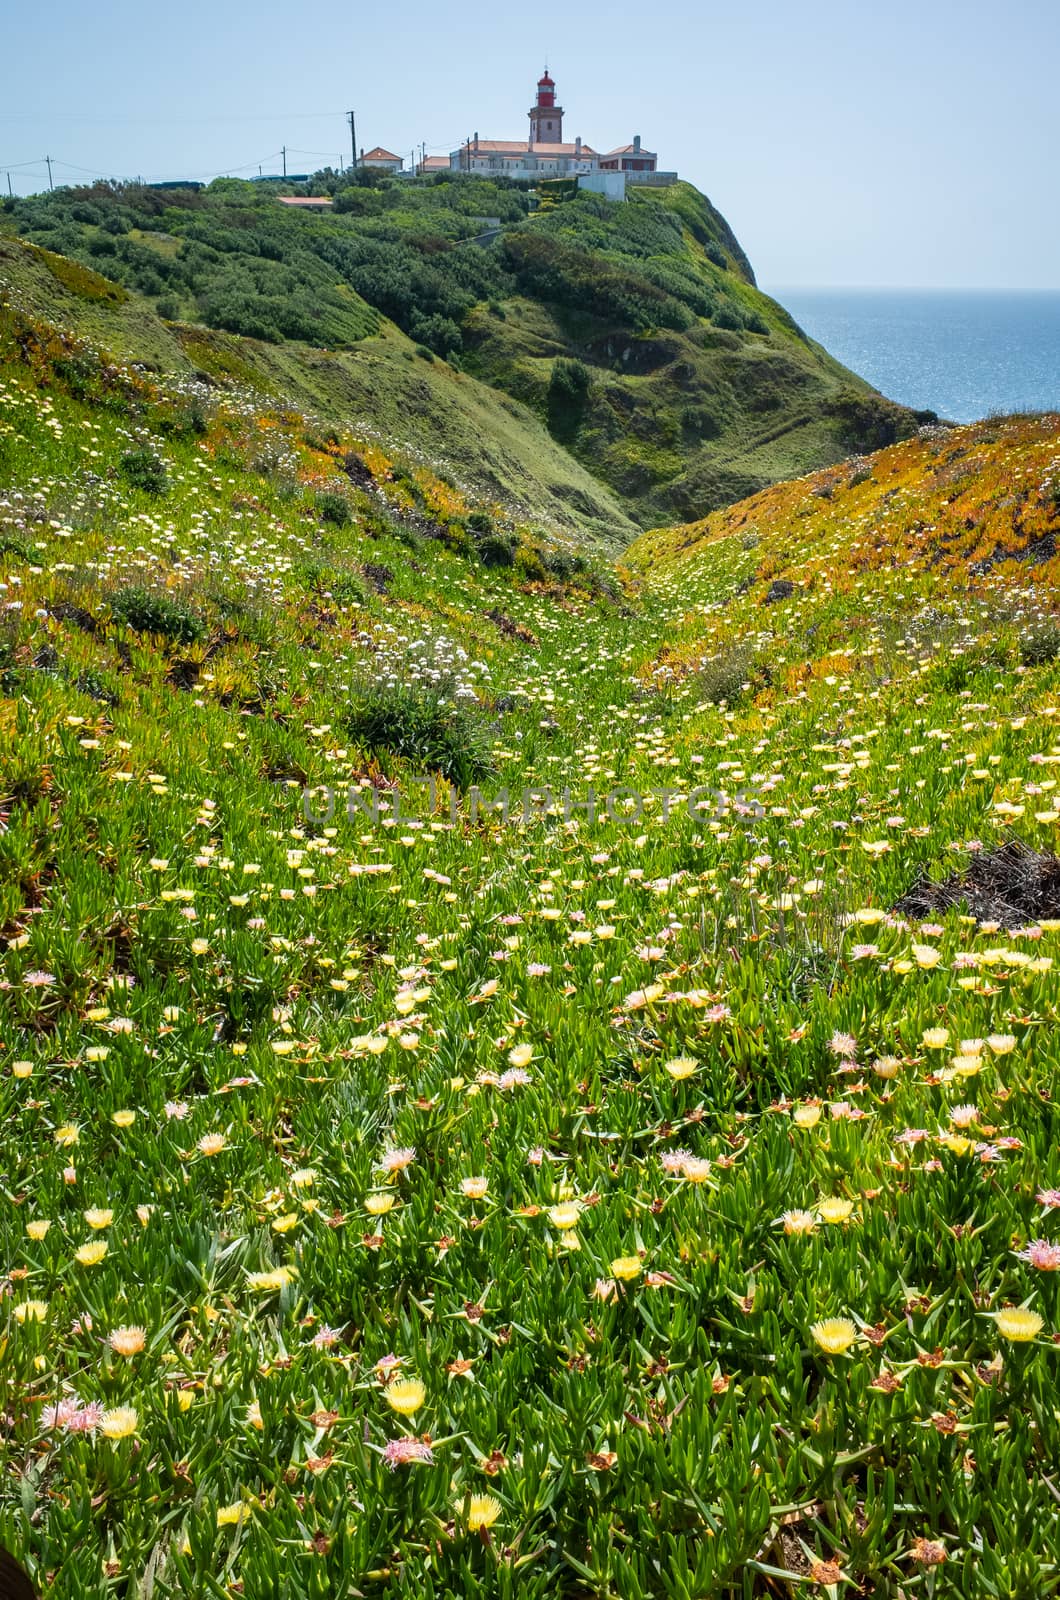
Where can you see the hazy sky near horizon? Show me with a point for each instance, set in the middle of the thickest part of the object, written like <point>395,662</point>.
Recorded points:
<point>906,144</point>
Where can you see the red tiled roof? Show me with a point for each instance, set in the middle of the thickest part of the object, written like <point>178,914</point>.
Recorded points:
<point>520,147</point>
<point>379,154</point>
<point>435,164</point>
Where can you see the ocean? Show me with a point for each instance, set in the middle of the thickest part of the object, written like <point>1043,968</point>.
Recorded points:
<point>962,353</point>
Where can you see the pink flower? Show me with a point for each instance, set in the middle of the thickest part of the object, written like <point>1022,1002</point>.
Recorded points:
<point>1049,1198</point>
<point>674,1160</point>
<point>716,1013</point>
<point>400,1451</point>
<point>843,1044</point>
<point>325,1337</point>
<point>1042,1254</point>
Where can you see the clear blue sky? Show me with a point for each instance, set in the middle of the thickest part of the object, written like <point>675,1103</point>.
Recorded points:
<point>913,142</point>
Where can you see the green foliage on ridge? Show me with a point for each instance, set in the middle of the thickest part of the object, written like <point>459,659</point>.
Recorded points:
<point>704,390</point>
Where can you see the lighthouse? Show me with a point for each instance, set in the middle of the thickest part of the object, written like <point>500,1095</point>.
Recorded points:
<point>546,117</point>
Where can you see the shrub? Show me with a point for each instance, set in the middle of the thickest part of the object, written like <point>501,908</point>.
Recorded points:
<point>334,509</point>
<point>722,679</point>
<point>144,470</point>
<point>418,723</point>
<point>1040,643</point>
<point>10,546</point>
<point>147,612</point>
<point>869,422</point>
<point>480,522</point>
<point>496,550</point>
<point>569,383</point>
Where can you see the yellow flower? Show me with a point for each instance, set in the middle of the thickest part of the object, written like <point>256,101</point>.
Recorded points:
<point>119,1423</point>
<point>123,1119</point>
<point>37,1229</point>
<point>681,1067</point>
<point>31,1311</point>
<point>521,1056</point>
<point>406,1395</point>
<point>565,1216</point>
<point>229,1516</point>
<point>886,1067</point>
<point>303,1178</point>
<point>806,1116</point>
<point>695,1169</point>
<point>285,1223</point>
<point>474,1188</point>
<point>377,1205</point>
<point>626,1267</point>
<point>482,1511</point>
<point>834,1334</point>
<point>97,1218</point>
<point>835,1209</point>
<point>1001,1043</point>
<point>926,956</point>
<point>199,947</point>
<point>1018,1324</point>
<point>22,1069</point>
<point>211,1144</point>
<point>936,1038</point>
<point>268,1282</point>
<point>68,1134</point>
<point>127,1342</point>
<point>799,1222</point>
<point>90,1255</point>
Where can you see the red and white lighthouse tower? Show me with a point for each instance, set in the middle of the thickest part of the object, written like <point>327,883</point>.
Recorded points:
<point>546,117</point>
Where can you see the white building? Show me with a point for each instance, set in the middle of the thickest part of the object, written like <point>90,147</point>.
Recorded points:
<point>384,160</point>
<point>544,154</point>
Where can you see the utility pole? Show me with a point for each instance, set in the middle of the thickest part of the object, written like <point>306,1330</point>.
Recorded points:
<point>9,188</point>
<point>48,159</point>
<point>353,137</point>
<point>283,152</point>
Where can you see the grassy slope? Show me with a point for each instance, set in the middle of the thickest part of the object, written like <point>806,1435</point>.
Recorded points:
<point>218,1018</point>
<point>490,442</point>
<point>677,420</point>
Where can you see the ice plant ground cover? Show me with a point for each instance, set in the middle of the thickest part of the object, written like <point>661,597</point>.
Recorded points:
<point>579,1207</point>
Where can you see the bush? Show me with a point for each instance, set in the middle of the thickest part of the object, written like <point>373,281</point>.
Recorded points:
<point>334,509</point>
<point>147,612</point>
<point>868,422</point>
<point>419,724</point>
<point>722,679</point>
<point>569,383</point>
<point>496,550</point>
<point>144,470</point>
<point>1040,643</point>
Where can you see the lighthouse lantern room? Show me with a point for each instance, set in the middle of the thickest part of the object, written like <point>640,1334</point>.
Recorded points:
<point>546,117</point>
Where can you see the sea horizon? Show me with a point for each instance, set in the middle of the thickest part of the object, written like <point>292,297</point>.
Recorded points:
<point>964,353</point>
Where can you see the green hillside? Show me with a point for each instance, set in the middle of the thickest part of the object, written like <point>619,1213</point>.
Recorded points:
<point>633,332</point>
<point>517,1077</point>
<point>420,406</point>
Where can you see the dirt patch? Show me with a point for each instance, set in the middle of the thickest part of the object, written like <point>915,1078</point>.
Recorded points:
<point>1011,885</point>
